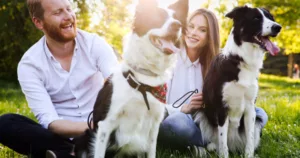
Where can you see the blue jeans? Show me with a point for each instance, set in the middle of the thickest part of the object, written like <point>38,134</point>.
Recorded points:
<point>178,130</point>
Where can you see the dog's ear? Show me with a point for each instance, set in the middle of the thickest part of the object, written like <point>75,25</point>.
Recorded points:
<point>181,8</point>
<point>146,5</point>
<point>236,12</point>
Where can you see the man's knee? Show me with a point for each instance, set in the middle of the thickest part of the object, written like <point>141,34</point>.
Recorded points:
<point>6,119</point>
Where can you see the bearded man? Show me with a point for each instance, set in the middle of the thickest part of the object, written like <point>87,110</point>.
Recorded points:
<point>60,76</point>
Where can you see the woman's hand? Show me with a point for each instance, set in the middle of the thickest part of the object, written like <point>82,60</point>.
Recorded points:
<point>195,104</point>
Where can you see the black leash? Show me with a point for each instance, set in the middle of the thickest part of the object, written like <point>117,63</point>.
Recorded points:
<point>89,120</point>
<point>192,92</point>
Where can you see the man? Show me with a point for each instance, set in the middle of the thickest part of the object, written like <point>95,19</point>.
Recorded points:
<point>60,76</point>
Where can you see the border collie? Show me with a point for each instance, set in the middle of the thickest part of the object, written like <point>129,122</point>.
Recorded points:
<point>228,120</point>
<point>130,107</point>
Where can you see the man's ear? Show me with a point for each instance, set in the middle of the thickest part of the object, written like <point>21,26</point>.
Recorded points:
<point>38,23</point>
<point>236,12</point>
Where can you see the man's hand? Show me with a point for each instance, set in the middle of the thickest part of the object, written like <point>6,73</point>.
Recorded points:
<point>195,104</point>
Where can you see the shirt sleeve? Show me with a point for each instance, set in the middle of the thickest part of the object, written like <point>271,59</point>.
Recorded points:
<point>169,105</point>
<point>36,94</point>
<point>106,59</point>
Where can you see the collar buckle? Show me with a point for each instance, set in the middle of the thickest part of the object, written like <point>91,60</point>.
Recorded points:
<point>138,84</point>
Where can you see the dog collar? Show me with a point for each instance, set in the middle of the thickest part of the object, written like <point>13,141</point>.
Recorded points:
<point>143,71</point>
<point>158,92</point>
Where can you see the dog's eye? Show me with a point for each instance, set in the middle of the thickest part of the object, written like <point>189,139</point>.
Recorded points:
<point>256,18</point>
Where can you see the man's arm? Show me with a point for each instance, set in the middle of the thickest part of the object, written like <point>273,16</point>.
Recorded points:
<point>40,103</point>
<point>67,128</point>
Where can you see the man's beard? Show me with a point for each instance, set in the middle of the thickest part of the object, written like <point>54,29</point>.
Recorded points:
<point>56,34</point>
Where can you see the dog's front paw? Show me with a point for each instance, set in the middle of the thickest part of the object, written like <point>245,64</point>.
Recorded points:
<point>211,147</point>
<point>249,153</point>
<point>223,152</point>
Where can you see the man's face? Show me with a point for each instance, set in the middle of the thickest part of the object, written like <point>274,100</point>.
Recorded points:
<point>59,21</point>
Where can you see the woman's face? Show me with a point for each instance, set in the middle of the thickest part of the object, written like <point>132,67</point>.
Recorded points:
<point>197,32</point>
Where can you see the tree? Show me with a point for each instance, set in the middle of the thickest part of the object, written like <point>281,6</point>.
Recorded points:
<point>17,34</point>
<point>115,21</point>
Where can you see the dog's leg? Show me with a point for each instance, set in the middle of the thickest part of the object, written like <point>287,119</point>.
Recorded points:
<point>222,137</point>
<point>104,130</point>
<point>249,122</point>
<point>142,155</point>
<point>153,140</point>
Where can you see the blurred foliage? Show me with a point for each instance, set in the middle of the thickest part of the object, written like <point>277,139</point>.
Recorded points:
<point>17,34</point>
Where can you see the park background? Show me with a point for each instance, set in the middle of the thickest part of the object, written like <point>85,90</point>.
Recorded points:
<point>279,94</point>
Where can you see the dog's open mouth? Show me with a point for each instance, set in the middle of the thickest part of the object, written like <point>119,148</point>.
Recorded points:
<point>265,43</point>
<point>166,44</point>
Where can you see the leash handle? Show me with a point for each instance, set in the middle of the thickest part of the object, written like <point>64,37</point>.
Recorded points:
<point>192,92</point>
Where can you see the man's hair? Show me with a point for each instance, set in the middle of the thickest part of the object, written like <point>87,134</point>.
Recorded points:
<point>35,9</point>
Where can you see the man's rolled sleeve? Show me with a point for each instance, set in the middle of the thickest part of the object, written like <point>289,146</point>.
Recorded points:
<point>36,95</point>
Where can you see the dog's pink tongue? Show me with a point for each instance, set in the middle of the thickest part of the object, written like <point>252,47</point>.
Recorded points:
<point>271,47</point>
<point>168,46</point>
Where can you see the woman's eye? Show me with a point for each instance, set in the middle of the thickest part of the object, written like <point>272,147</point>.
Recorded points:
<point>191,26</point>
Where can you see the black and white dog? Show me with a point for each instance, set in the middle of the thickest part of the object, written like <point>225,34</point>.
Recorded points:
<point>231,85</point>
<point>130,106</point>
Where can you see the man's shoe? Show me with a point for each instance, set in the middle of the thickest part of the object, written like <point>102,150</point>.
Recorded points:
<point>50,154</point>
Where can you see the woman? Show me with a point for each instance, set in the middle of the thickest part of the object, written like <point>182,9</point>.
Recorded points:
<point>202,44</point>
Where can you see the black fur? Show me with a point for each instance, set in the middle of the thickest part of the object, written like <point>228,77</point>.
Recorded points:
<point>102,103</point>
<point>247,24</point>
<point>223,69</point>
<point>148,15</point>
<point>101,107</point>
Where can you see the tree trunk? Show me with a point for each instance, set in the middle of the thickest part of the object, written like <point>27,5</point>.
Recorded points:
<point>290,65</point>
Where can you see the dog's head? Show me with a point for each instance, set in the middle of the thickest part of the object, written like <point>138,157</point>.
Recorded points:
<point>155,35</point>
<point>254,25</point>
<point>161,26</point>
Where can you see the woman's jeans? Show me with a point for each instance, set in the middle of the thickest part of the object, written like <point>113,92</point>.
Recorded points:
<point>178,130</point>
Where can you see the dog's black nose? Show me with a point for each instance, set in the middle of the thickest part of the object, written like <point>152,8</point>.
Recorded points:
<point>175,26</point>
<point>276,28</point>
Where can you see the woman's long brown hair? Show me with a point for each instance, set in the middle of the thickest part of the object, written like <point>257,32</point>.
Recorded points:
<point>212,47</point>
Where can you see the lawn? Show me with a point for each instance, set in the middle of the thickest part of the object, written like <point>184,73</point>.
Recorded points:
<point>279,96</point>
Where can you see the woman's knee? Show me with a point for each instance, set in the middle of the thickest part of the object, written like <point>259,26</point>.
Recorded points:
<point>179,124</point>
<point>261,115</point>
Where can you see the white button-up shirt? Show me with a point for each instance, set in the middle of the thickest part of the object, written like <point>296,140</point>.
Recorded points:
<point>53,93</point>
<point>187,76</point>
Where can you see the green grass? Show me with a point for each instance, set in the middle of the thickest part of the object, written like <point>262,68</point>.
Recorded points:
<point>279,96</point>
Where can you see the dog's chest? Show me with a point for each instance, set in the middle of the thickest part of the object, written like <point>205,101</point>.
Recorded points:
<point>135,124</point>
<point>240,95</point>
<point>135,121</point>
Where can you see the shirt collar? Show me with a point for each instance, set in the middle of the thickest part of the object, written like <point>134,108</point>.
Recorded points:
<point>186,60</point>
<point>49,54</point>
